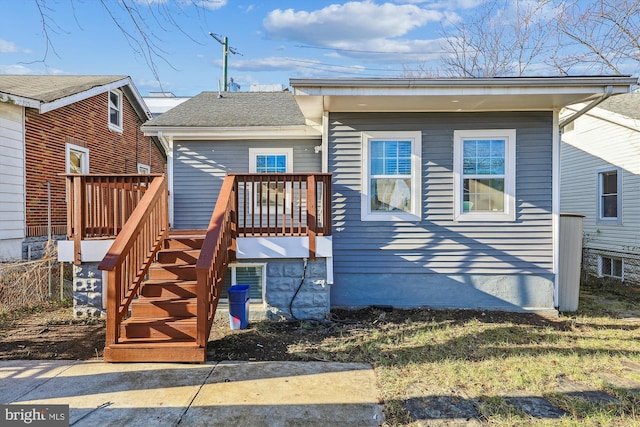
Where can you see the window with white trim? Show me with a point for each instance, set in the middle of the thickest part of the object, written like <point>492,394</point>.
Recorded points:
<point>611,267</point>
<point>609,196</point>
<point>115,110</point>
<point>254,275</point>
<point>77,159</point>
<point>484,172</point>
<point>144,169</point>
<point>391,176</point>
<point>271,160</point>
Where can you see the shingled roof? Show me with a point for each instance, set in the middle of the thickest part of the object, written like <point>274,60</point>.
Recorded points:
<point>49,88</point>
<point>627,104</point>
<point>233,109</point>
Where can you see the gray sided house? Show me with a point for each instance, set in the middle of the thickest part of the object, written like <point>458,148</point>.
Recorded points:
<point>600,180</point>
<point>445,192</point>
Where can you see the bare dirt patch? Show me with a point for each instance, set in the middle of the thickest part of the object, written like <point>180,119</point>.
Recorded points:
<point>49,331</point>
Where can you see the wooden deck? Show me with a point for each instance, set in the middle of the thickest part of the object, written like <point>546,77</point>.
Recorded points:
<point>164,287</point>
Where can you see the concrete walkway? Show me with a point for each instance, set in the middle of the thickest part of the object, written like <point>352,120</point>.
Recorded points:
<point>226,393</point>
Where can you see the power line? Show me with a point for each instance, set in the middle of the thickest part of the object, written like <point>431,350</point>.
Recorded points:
<point>379,52</point>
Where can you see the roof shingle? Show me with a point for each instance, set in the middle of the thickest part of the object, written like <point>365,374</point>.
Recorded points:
<point>47,88</point>
<point>233,109</point>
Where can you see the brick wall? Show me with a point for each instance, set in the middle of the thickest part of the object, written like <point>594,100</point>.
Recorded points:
<point>83,123</point>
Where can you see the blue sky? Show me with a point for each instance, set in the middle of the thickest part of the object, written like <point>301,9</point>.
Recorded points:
<point>277,39</point>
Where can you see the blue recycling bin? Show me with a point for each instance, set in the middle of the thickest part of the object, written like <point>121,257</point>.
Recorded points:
<point>239,306</point>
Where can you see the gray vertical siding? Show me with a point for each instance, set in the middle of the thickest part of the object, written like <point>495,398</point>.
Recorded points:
<point>200,168</point>
<point>420,263</point>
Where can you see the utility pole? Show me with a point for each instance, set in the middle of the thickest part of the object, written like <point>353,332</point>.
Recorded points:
<point>224,41</point>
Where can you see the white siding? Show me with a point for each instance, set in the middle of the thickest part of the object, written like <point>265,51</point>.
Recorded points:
<point>595,144</point>
<point>12,184</point>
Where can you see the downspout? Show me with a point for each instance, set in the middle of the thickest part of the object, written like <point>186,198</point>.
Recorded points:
<point>608,91</point>
<point>168,144</point>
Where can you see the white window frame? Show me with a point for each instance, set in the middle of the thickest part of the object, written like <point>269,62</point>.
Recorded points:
<point>117,127</point>
<point>85,157</point>
<point>611,259</point>
<point>415,212</point>
<point>268,151</point>
<point>509,213</point>
<point>143,168</point>
<point>602,220</point>
<point>255,152</point>
<point>232,268</point>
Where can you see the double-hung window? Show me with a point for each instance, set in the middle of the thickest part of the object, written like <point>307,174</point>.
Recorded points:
<point>115,110</point>
<point>391,176</point>
<point>484,175</point>
<point>609,196</point>
<point>271,160</point>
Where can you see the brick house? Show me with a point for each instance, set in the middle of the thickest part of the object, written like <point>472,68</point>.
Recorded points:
<point>51,125</point>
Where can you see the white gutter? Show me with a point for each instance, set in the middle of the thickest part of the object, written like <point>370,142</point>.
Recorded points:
<point>232,133</point>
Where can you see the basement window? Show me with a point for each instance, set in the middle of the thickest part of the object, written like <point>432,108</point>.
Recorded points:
<point>253,275</point>
<point>611,267</point>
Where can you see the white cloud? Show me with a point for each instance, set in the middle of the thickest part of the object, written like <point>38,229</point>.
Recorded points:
<point>15,69</point>
<point>349,24</point>
<point>211,4</point>
<point>9,47</point>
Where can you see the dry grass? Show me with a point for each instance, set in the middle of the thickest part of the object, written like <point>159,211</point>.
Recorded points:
<point>484,358</point>
<point>30,283</point>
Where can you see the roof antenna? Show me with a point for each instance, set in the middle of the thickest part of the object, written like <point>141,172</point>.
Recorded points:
<point>219,90</point>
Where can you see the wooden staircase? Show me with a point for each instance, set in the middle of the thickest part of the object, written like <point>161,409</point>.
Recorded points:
<point>162,326</point>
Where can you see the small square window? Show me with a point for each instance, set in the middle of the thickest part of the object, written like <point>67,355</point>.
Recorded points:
<point>245,274</point>
<point>144,169</point>
<point>611,267</point>
<point>77,159</point>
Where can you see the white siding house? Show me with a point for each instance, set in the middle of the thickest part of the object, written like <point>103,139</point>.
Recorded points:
<point>12,181</point>
<point>600,179</point>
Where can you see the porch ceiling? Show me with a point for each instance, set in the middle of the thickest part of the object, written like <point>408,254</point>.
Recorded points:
<point>450,95</point>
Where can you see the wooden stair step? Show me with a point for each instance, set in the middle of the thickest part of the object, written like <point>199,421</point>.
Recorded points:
<point>178,256</point>
<point>172,271</point>
<point>174,328</point>
<point>175,351</point>
<point>170,288</point>
<point>184,242</point>
<point>164,307</point>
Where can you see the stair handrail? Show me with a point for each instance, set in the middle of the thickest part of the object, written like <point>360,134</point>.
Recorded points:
<point>127,261</point>
<point>218,250</point>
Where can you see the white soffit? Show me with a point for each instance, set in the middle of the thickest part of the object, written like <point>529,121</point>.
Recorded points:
<point>450,95</point>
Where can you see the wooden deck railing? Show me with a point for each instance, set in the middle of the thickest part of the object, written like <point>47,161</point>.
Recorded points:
<point>98,206</point>
<point>291,204</point>
<point>252,205</point>
<point>133,251</point>
<point>218,250</point>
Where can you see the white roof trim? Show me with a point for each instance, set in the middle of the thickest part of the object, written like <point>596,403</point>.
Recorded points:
<point>44,107</point>
<point>235,133</point>
<point>451,95</point>
<point>68,100</point>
